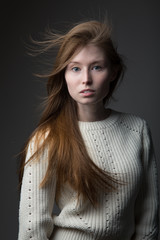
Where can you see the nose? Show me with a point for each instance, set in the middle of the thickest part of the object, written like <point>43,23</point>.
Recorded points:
<point>86,78</point>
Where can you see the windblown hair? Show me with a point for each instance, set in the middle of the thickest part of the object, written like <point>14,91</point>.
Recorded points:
<point>58,129</point>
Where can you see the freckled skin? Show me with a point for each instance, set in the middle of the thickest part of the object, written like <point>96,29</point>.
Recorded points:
<point>89,70</point>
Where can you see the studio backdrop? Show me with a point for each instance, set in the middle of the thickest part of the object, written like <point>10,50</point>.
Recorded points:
<point>137,36</point>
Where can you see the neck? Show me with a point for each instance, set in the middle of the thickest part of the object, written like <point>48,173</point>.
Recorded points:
<point>92,114</point>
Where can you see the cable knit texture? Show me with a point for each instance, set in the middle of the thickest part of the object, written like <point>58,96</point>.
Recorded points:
<point>120,144</point>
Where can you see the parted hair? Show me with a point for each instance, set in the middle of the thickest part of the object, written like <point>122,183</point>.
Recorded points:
<point>58,129</point>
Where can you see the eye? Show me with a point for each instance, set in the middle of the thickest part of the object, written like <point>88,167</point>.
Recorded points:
<point>75,69</point>
<point>97,68</point>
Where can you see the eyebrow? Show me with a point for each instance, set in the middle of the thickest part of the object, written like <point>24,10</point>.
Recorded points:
<point>95,62</point>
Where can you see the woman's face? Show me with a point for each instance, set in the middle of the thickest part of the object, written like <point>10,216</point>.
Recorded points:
<point>88,76</point>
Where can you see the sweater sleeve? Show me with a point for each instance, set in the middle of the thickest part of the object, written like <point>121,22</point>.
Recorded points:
<point>36,204</point>
<point>146,207</point>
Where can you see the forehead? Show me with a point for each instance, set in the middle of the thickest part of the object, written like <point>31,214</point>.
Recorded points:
<point>89,53</point>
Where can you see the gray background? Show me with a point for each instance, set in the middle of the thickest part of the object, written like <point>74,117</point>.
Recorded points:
<point>136,30</point>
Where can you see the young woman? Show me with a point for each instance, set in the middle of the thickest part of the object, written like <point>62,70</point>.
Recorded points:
<point>96,163</point>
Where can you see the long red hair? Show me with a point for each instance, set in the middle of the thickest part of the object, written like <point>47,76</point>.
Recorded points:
<point>58,129</point>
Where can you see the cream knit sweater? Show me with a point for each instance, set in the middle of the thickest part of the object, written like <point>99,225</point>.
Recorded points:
<point>120,144</point>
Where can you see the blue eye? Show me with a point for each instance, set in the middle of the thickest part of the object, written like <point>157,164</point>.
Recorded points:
<point>97,68</point>
<point>75,69</point>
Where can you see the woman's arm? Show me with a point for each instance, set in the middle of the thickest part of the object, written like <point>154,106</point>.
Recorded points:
<point>146,208</point>
<point>36,204</point>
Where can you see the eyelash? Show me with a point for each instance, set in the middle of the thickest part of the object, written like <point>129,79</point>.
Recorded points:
<point>99,68</point>
<point>96,68</point>
<point>75,69</point>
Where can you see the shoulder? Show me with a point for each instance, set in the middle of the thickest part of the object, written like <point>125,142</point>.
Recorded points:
<point>131,122</point>
<point>36,145</point>
<point>37,140</point>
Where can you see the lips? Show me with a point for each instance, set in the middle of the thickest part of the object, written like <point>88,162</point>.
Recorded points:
<point>87,91</point>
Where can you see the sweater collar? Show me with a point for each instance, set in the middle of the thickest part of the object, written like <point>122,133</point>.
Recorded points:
<point>108,122</point>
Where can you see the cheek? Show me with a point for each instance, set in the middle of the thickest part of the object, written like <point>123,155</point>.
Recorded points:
<point>104,81</point>
<point>104,86</point>
<point>69,80</point>
<point>70,85</point>
<point>105,89</point>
